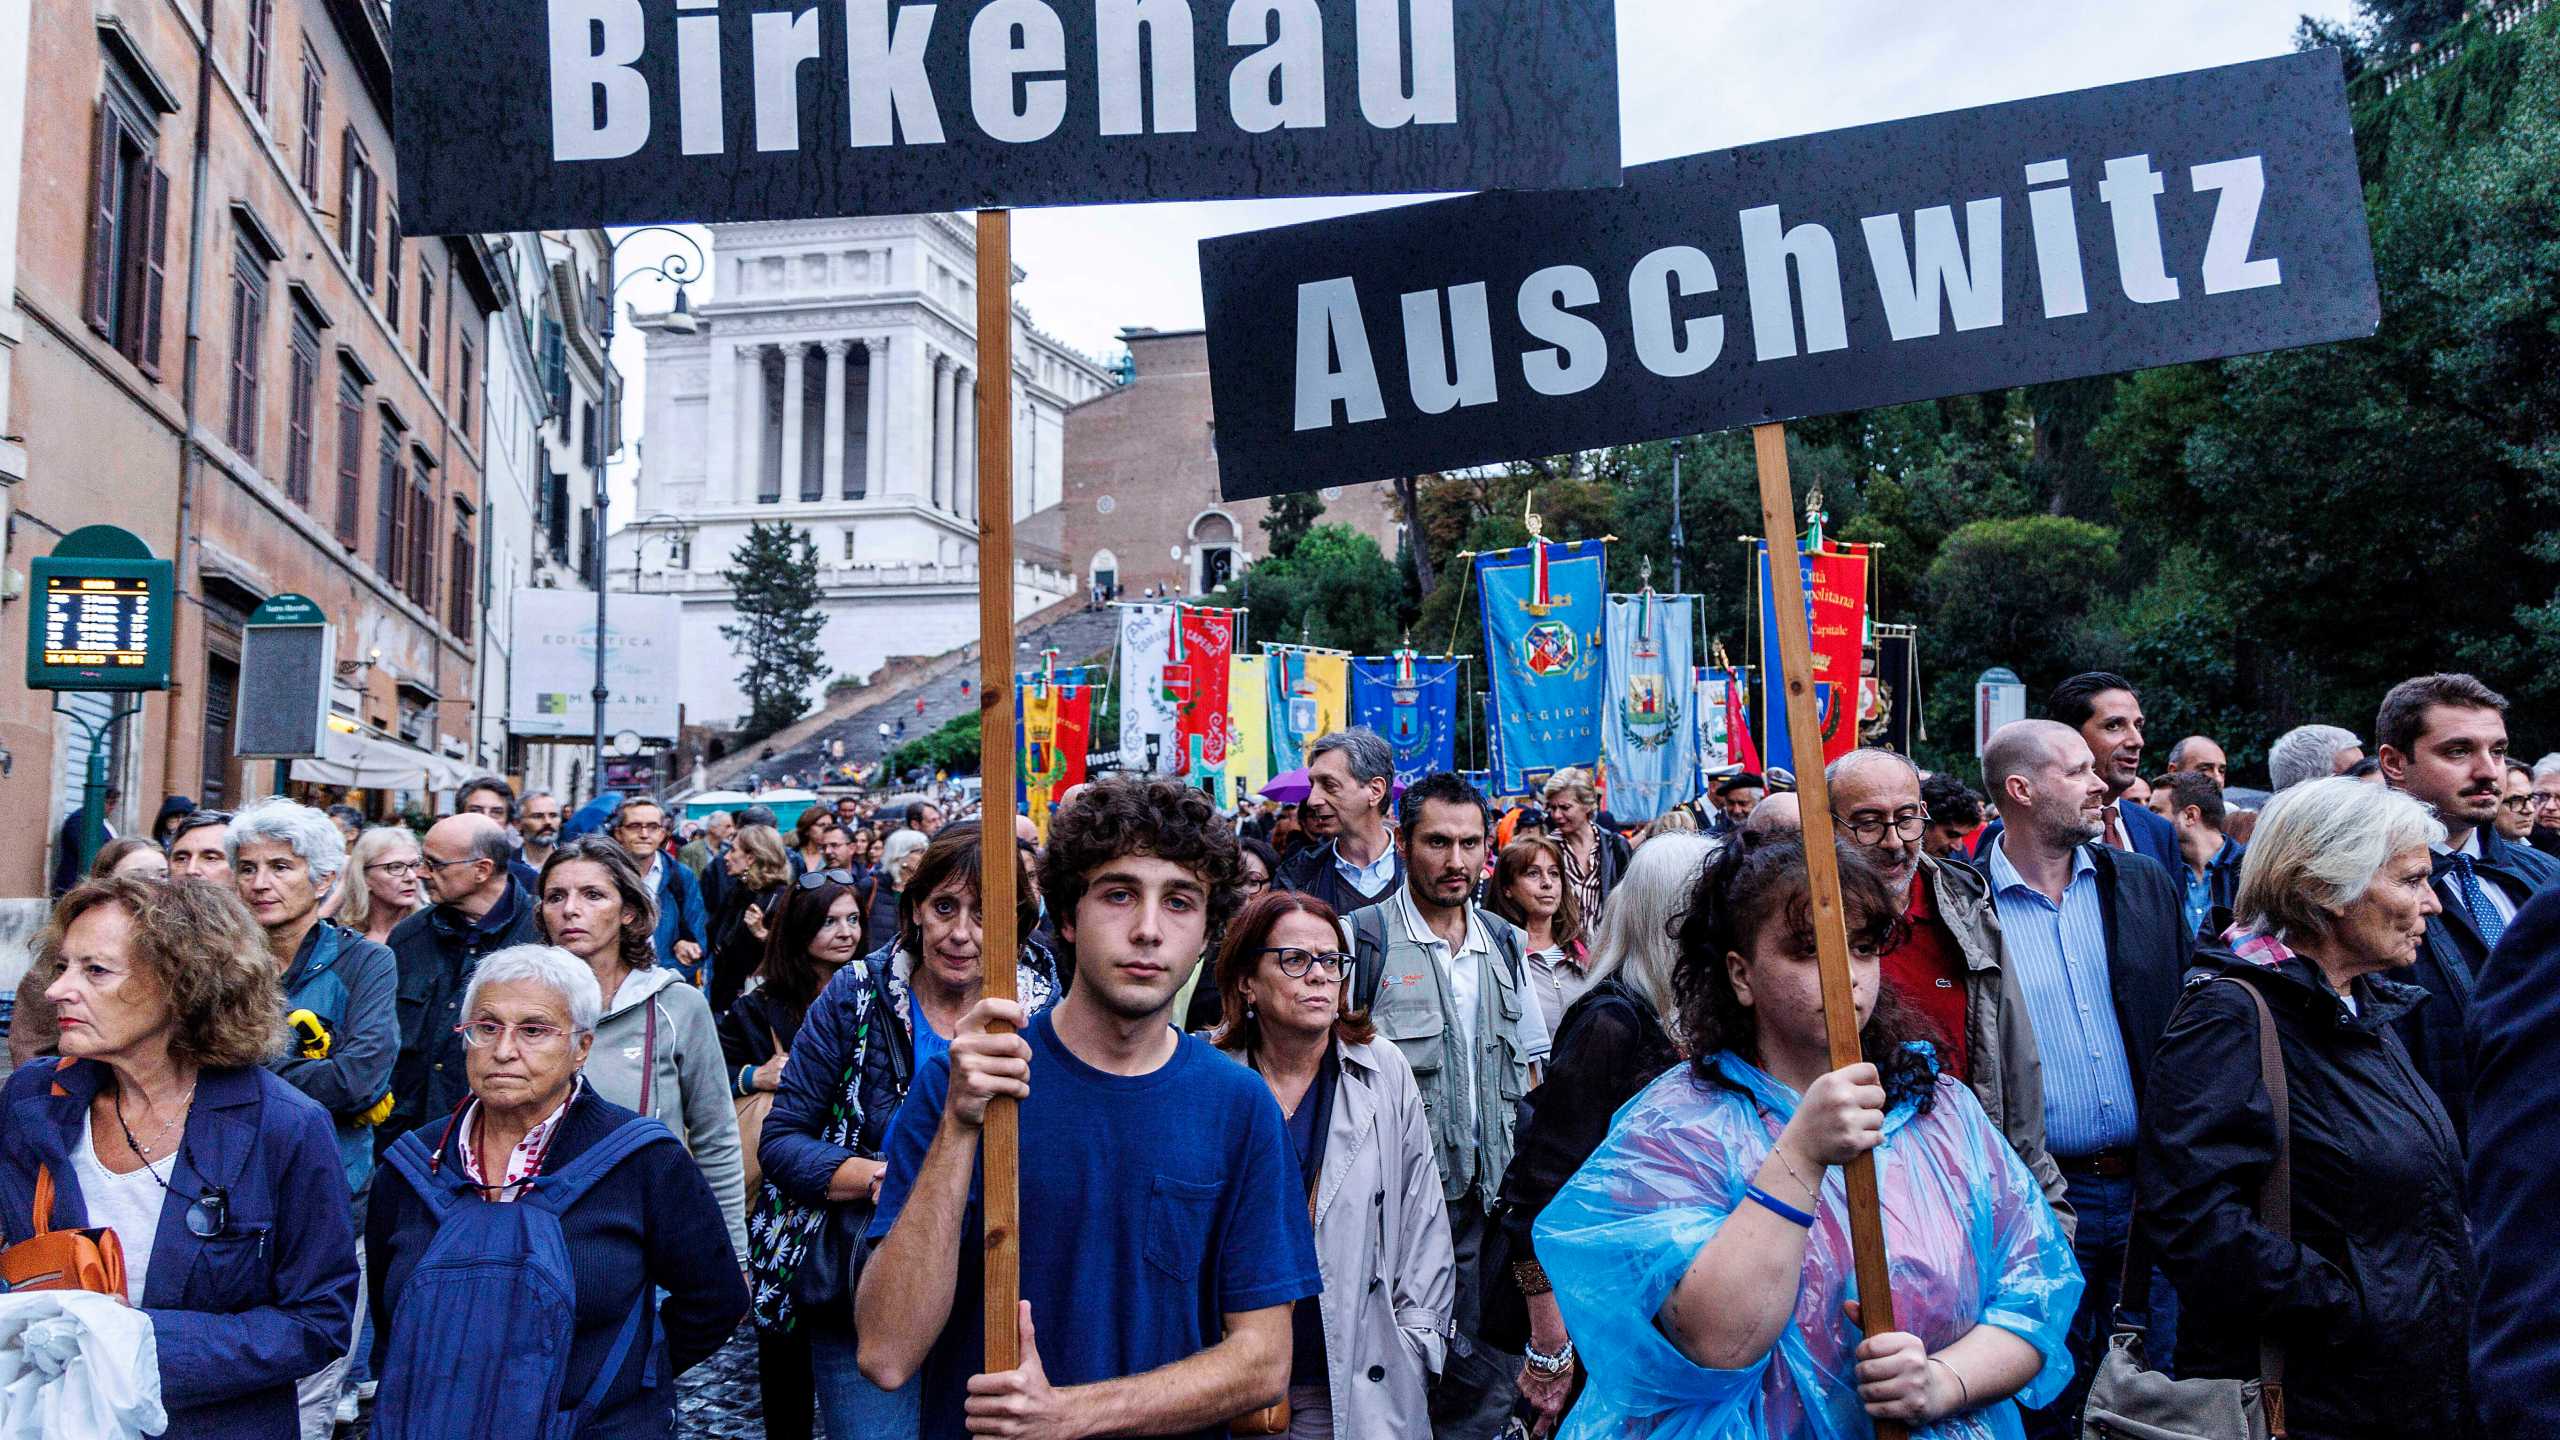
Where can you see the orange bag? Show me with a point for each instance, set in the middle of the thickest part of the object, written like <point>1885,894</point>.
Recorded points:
<point>91,1260</point>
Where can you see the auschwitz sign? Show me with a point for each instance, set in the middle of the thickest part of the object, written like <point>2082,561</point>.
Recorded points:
<point>2200,215</point>
<point>516,114</point>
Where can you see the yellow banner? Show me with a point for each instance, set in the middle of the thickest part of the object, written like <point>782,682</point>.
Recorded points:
<point>1248,724</point>
<point>1331,677</point>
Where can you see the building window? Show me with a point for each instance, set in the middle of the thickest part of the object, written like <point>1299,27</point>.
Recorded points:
<point>128,232</point>
<point>359,191</point>
<point>426,321</point>
<point>462,583</point>
<point>590,452</point>
<point>248,334</point>
<point>848,544</point>
<point>302,405</point>
<point>221,708</point>
<point>312,108</point>
<point>395,263</point>
<point>391,510</point>
<point>261,27</point>
<point>555,367</point>
<point>553,518</point>
<point>422,533</point>
<point>466,375</point>
<point>350,458</point>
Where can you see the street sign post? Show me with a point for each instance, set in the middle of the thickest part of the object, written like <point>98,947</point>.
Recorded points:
<point>288,666</point>
<point>1998,698</point>
<point>103,614</point>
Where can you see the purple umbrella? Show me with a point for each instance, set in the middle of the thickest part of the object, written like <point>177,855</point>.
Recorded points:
<point>1290,787</point>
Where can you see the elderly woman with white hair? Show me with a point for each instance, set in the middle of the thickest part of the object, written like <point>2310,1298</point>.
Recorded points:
<point>573,1318</point>
<point>2366,1286</point>
<point>1615,1038</point>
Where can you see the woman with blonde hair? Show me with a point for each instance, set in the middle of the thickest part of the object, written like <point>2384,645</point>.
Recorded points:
<point>758,868</point>
<point>381,885</point>
<point>1594,857</point>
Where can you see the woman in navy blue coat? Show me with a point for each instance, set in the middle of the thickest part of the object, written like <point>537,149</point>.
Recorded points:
<point>221,1181</point>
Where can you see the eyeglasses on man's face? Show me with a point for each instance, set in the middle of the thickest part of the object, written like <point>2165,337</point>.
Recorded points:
<point>1870,829</point>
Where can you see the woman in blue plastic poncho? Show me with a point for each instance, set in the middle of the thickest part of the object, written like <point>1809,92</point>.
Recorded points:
<point>1701,1256</point>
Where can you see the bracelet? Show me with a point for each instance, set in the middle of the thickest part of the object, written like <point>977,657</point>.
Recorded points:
<point>746,1081</point>
<point>1549,1365</point>
<point>1783,1164</point>
<point>1779,1208</point>
<point>1531,1277</point>
<point>1964,1392</point>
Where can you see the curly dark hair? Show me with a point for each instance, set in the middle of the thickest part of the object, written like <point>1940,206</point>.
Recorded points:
<point>1756,883</point>
<point>1162,818</point>
<point>639,945</point>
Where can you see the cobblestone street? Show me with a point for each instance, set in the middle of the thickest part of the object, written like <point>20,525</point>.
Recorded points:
<point>718,1399</point>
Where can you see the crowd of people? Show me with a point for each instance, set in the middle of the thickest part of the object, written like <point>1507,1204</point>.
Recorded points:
<point>1390,1113</point>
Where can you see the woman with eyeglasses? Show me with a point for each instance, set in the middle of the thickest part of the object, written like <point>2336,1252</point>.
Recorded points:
<point>161,1123</point>
<point>640,1227</point>
<point>1701,1256</point>
<point>1362,1357</point>
<point>384,865</point>
<point>858,1050</point>
<point>657,1048</point>
<point>816,930</point>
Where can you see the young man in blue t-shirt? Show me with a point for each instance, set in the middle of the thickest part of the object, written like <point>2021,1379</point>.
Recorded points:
<point>1164,1227</point>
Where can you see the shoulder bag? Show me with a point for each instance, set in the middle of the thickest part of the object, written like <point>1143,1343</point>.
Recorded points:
<point>51,1259</point>
<point>2128,1402</point>
<point>752,1108</point>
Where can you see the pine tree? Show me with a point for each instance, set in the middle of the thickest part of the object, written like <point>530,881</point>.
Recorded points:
<point>774,574</point>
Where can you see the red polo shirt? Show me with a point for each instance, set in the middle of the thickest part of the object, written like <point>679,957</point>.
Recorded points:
<point>1927,970</point>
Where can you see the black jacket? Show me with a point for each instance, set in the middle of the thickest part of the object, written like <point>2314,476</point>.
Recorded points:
<point>2372,1296</point>
<point>1310,872</point>
<point>736,953</point>
<point>438,949</point>
<point>2512,1033</point>
<point>751,1026</point>
<point>2449,965</point>
<point>1608,1045</point>
<point>2148,949</point>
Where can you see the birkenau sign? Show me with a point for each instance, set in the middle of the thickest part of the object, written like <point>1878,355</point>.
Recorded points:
<point>545,113</point>
<point>2184,218</point>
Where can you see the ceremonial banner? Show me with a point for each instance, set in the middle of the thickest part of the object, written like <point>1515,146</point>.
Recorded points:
<point>1835,590</point>
<point>1414,703</point>
<point>1310,695</point>
<point>2152,223</point>
<point>1053,716</point>
<point>1890,704</point>
<point>1647,731</point>
<point>1146,711</point>
<point>1541,607</point>
<point>1248,725</point>
<point>541,114</point>
<point>1712,709</point>
<point>1195,679</point>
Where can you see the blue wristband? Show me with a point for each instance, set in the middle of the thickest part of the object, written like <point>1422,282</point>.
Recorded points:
<point>746,1081</point>
<point>1779,1208</point>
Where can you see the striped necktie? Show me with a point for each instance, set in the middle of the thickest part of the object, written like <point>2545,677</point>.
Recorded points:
<point>2475,898</point>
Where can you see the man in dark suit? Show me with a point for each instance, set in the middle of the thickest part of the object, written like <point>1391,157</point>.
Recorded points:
<point>2443,739</point>
<point>2108,715</point>
<point>2510,1034</point>
<point>2098,940</point>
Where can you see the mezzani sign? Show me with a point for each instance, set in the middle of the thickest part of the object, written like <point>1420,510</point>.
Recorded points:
<point>2185,218</point>
<point>581,112</point>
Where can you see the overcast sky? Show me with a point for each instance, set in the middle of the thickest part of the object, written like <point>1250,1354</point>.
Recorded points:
<point>1693,75</point>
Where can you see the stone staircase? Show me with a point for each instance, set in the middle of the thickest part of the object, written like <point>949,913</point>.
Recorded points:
<point>804,753</point>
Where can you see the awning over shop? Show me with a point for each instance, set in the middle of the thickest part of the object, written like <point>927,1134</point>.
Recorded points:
<point>370,761</point>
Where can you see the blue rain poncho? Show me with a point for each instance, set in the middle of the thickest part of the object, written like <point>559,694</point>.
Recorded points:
<point>1970,1236</point>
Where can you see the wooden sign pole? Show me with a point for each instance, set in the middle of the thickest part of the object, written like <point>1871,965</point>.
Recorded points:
<point>1000,1151</point>
<point>1830,920</point>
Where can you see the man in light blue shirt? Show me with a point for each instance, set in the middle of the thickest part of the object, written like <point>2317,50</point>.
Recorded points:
<point>1351,778</point>
<point>2098,940</point>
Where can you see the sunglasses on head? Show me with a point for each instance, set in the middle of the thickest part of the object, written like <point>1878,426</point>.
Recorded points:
<point>817,878</point>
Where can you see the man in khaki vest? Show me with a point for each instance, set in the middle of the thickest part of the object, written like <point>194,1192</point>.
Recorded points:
<point>1444,981</point>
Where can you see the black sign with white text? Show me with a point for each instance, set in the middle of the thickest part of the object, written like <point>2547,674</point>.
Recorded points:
<point>528,114</point>
<point>2153,223</point>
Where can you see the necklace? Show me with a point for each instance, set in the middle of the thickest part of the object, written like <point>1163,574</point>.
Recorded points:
<point>149,1151</point>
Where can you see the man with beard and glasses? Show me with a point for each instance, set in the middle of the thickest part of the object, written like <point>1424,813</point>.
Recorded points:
<point>1948,962</point>
<point>2443,739</point>
<point>1165,1229</point>
<point>2099,941</point>
<point>1446,981</point>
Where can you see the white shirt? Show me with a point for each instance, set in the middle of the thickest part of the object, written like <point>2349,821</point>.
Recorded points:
<point>127,1204</point>
<point>2497,893</point>
<point>1466,973</point>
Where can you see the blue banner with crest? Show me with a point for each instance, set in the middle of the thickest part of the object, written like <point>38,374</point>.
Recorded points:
<point>1543,633</point>
<point>1648,732</point>
<point>1413,702</point>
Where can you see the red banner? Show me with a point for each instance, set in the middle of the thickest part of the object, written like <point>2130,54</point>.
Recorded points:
<point>1054,720</point>
<point>1195,681</point>
<point>1837,607</point>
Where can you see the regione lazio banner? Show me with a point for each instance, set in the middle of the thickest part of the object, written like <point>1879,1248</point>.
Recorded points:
<point>1053,716</point>
<point>1146,711</point>
<point>1309,697</point>
<point>1195,676</point>
<point>1542,633</point>
<point>1248,725</point>
<point>1646,730</point>
<point>1414,703</point>
<point>2152,223</point>
<point>540,114</point>
<point>1835,606</point>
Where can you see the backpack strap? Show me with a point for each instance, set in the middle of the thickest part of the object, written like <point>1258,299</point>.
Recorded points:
<point>1507,940</point>
<point>643,1316</point>
<point>1369,953</point>
<point>557,1192</point>
<point>409,1156</point>
<point>648,1055</point>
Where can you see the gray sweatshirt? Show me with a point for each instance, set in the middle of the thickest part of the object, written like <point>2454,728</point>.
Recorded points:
<point>690,1091</point>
